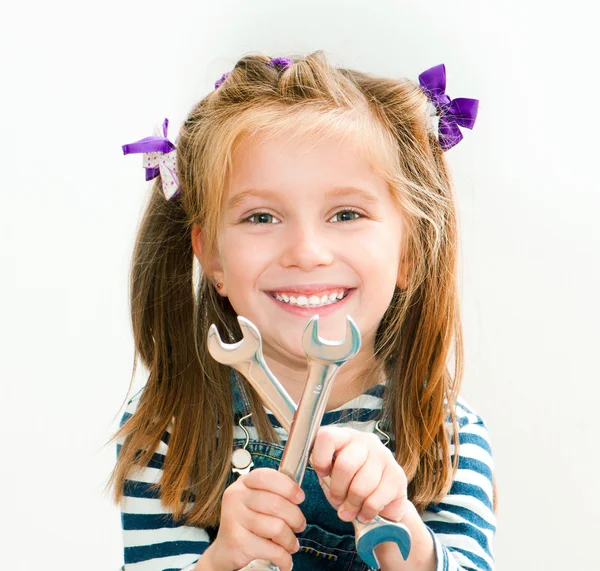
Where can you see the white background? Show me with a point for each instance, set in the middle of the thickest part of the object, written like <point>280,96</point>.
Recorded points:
<point>80,79</point>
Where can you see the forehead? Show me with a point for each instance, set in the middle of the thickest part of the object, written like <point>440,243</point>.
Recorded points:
<point>276,170</point>
<point>279,158</point>
<point>310,149</point>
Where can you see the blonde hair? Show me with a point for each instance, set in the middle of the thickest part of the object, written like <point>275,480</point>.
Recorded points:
<point>170,320</point>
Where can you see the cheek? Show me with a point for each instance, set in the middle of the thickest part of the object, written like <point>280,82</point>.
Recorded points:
<point>378,255</point>
<point>242,260</point>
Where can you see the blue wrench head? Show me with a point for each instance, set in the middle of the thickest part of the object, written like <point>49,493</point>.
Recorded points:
<point>330,351</point>
<point>367,542</point>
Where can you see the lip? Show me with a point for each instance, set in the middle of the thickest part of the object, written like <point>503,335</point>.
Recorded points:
<point>310,311</point>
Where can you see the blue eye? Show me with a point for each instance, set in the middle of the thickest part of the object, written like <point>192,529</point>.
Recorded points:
<point>261,218</point>
<point>347,215</point>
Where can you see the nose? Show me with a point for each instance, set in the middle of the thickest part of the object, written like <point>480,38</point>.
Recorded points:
<point>305,247</point>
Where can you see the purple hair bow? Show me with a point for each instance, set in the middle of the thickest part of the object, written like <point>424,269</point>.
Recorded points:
<point>280,62</point>
<point>454,113</point>
<point>276,62</point>
<point>159,158</point>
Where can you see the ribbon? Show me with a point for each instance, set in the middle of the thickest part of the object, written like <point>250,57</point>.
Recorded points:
<point>276,62</point>
<point>453,112</point>
<point>221,79</point>
<point>160,158</point>
<point>280,62</point>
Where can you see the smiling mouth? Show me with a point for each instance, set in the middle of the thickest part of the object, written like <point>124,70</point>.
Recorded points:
<point>311,301</point>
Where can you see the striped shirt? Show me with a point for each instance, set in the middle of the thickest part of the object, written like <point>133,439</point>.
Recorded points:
<point>462,525</point>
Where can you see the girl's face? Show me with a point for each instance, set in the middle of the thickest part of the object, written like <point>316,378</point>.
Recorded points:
<point>305,224</point>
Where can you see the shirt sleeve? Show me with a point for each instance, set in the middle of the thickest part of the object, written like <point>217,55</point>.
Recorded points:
<point>152,539</point>
<point>463,524</point>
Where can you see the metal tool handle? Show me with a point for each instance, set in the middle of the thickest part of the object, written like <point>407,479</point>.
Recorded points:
<point>261,565</point>
<point>269,389</point>
<point>307,420</point>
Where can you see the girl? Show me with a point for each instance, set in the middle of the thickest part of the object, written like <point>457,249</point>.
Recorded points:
<point>302,188</point>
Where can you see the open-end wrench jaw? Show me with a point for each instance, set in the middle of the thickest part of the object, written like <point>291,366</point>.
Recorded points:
<point>330,352</point>
<point>370,535</point>
<point>232,353</point>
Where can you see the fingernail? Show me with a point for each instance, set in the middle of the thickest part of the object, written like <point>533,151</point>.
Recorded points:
<point>300,496</point>
<point>346,515</point>
<point>363,519</point>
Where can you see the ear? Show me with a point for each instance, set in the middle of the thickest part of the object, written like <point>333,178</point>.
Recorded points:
<point>210,263</point>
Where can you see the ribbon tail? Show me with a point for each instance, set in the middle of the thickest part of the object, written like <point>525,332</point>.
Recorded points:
<point>149,145</point>
<point>464,111</point>
<point>170,181</point>
<point>152,173</point>
<point>449,134</point>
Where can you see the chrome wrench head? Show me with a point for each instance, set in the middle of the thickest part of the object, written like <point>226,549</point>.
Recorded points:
<point>337,352</point>
<point>234,353</point>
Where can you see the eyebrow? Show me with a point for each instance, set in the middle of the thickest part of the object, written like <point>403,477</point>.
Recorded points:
<point>336,192</point>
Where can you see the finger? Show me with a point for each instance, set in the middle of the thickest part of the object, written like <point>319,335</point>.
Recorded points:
<point>347,463</point>
<point>391,490</point>
<point>363,485</point>
<point>325,487</point>
<point>329,439</point>
<point>271,480</point>
<point>275,529</point>
<point>268,503</point>
<point>253,547</point>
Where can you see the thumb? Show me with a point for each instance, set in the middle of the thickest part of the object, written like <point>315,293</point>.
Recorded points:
<point>395,510</point>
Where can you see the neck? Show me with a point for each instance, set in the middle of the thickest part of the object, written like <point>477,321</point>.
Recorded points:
<point>353,378</point>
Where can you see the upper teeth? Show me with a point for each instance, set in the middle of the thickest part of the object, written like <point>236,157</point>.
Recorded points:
<point>313,300</point>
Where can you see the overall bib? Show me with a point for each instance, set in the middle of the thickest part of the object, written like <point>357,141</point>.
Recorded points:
<point>327,543</point>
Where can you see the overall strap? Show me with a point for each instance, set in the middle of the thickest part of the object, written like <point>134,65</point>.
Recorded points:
<point>241,402</point>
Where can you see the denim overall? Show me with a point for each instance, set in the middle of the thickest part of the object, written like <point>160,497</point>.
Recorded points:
<point>327,542</point>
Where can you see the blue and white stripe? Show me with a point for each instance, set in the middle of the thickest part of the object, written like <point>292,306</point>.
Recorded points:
<point>462,524</point>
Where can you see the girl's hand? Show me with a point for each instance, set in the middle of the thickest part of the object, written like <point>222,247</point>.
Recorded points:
<point>259,518</point>
<point>365,481</point>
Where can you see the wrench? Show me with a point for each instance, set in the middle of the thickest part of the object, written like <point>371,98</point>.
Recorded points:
<point>324,360</point>
<point>322,364</point>
<point>244,356</point>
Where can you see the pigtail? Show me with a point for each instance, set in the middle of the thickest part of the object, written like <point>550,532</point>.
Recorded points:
<point>163,309</point>
<point>422,328</point>
<point>424,391</point>
<point>170,323</point>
